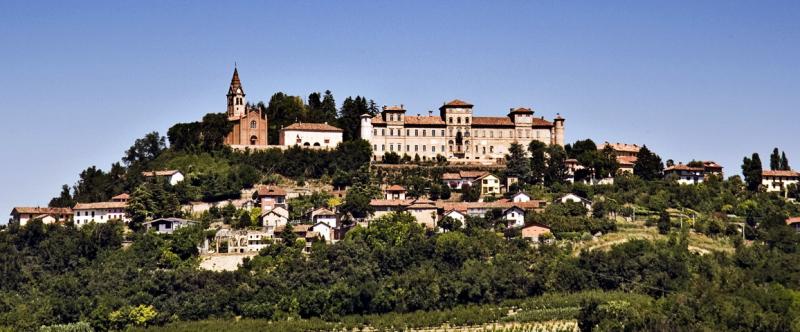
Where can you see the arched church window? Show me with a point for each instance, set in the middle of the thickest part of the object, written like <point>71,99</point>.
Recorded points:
<point>253,124</point>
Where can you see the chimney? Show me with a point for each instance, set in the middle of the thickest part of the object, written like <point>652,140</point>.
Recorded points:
<point>430,113</point>
<point>402,107</point>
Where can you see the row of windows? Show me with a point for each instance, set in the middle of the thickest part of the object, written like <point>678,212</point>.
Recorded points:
<point>521,133</point>
<point>458,120</point>
<point>86,213</point>
<point>238,101</point>
<point>399,148</point>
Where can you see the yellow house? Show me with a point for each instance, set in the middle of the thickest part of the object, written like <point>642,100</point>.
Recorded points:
<point>490,185</point>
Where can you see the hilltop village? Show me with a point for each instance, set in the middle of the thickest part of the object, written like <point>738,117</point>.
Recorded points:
<point>475,166</point>
<point>303,214</point>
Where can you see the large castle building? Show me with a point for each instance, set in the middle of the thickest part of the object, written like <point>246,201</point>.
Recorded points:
<point>455,133</point>
<point>249,123</point>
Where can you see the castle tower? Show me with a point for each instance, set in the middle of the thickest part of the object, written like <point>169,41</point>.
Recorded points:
<point>236,101</point>
<point>558,130</point>
<point>366,127</point>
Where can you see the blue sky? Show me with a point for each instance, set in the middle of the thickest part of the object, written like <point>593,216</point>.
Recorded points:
<point>691,79</point>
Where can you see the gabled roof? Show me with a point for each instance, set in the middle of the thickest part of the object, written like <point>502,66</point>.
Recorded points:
<point>122,196</point>
<point>323,127</point>
<point>626,160</point>
<point>792,220</point>
<point>683,167</point>
<point>271,191</point>
<point>323,212</point>
<point>536,225</point>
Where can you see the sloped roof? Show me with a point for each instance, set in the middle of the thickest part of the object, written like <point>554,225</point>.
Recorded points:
<point>41,210</point>
<point>792,220</point>
<point>456,103</point>
<point>271,191</point>
<point>626,160</point>
<point>390,202</point>
<point>323,212</point>
<point>620,147</point>
<point>100,205</point>
<point>394,108</point>
<point>121,196</point>
<point>492,121</point>
<point>451,176</point>
<point>396,187</point>
<point>683,167</point>
<point>167,172</point>
<point>312,127</point>
<point>235,82</point>
<point>424,120</point>
<point>539,122</point>
<point>521,110</point>
<point>780,173</point>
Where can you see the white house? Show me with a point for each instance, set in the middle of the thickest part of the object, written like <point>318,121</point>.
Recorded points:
<point>167,225</point>
<point>326,231</point>
<point>172,176</point>
<point>684,174</point>
<point>274,218</point>
<point>514,216</point>
<point>21,215</point>
<point>325,216</point>
<point>395,192</point>
<point>575,199</point>
<point>457,215</point>
<point>99,212</point>
<point>242,241</point>
<point>317,135</point>
<point>778,180</point>
<point>520,197</point>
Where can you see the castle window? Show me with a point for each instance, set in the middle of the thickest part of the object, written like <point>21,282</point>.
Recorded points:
<point>253,124</point>
<point>450,120</point>
<point>383,132</point>
<point>433,148</point>
<point>433,132</point>
<point>484,150</point>
<point>375,132</point>
<point>458,120</point>
<point>408,132</point>
<point>416,132</point>
<point>491,134</point>
<point>423,148</point>
<point>466,120</point>
<point>383,147</point>
<point>408,147</point>
<point>491,149</point>
<point>442,132</point>
<point>424,132</point>
<point>442,148</point>
<point>416,148</point>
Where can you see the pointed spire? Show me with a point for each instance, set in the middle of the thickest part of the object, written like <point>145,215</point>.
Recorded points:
<point>235,82</point>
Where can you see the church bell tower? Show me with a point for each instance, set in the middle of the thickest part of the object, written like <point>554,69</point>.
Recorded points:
<point>236,101</point>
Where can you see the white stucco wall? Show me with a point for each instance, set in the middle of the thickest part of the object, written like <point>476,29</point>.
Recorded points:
<point>325,139</point>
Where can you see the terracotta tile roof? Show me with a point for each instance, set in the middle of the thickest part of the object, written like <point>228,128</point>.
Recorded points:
<point>521,110</point>
<point>620,147</point>
<point>536,225</point>
<point>780,173</point>
<point>451,176</point>
<point>421,206</point>
<point>390,202</point>
<point>539,122</point>
<point>378,119</point>
<point>793,220</point>
<point>422,120</point>
<point>396,187</point>
<point>394,108</point>
<point>472,174</point>
<point>492,121</point>
<point>122,196</point>
<point>100,205</point>
<point>271,191</point>
<point>464,206</point>
<point>682,167</point>
<point>312,127</point>
<point>41,210</point>
<point>168,172</point>
<point>457,103</point>
<point>712,165</point>
<point>626,160</point>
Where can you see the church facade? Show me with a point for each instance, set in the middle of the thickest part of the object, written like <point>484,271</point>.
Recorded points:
<point>249,123</point>
<point>456,133</point>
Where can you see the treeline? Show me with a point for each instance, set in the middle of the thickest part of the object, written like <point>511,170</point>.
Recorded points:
<point>58,275</point>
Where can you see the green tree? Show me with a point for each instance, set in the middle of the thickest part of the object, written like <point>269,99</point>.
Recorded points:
<point>145,149</point>
<point>775,160</point>
<point>538,164</point>
<point>64,199</point>
<point>470,193</point>
<point>350,115</point>
<point>556,171</point>
<point>785,162</point>
<point>751,169</point>
<point>648,165</point>
<point>517,163</point>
